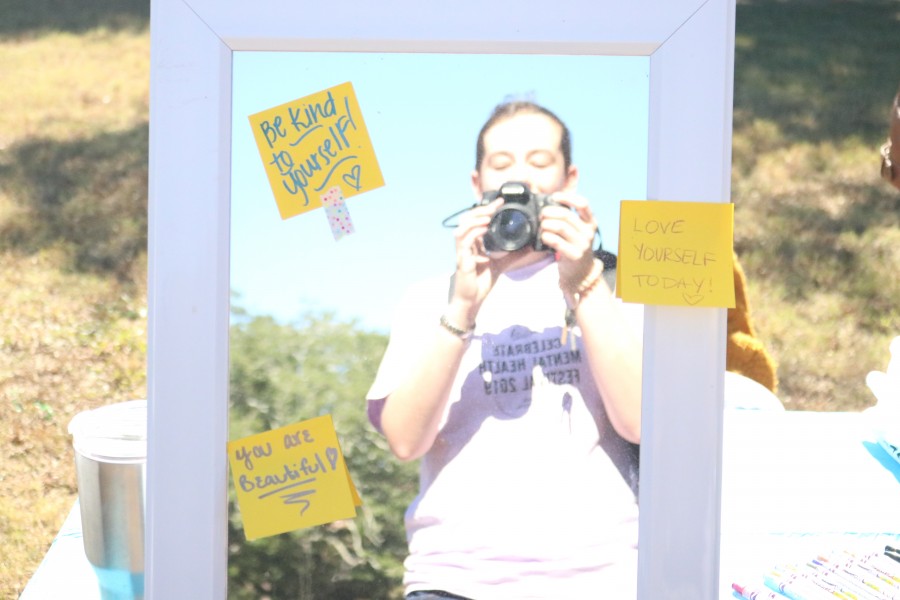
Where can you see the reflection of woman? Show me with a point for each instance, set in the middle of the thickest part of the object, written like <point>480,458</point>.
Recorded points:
<point>518,386</point>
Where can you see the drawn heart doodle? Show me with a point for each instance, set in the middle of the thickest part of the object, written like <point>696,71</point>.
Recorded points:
<point>352,178</point>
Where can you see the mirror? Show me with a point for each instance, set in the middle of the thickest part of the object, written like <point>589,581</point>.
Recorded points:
<point>423,113</point>
<point>424,138</point>
<point>690,48</point>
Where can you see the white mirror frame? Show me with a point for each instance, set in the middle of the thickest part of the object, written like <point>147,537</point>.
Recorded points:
<point>691,48</point>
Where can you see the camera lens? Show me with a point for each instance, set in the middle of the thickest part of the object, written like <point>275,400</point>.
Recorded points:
<point>511,228</point>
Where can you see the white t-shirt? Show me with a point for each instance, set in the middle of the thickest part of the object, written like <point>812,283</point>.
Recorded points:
<point>518,499</point>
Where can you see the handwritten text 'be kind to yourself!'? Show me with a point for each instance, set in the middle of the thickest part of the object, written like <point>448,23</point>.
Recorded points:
<point>313,144</point>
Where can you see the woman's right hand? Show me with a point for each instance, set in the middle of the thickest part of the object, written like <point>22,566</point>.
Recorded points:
<point>475,271</point>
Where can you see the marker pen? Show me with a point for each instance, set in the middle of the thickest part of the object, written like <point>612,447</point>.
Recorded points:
<point>756,593</point>
<point>810,574</point>
<point>882,589</point>
<point>883,565</point>
<point>874,576</point>
<point>838,579</point>
<point>864,571</point>
<point>799,588</point>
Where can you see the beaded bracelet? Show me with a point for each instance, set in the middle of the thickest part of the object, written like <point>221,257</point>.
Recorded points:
<point>584,288</point>
<point>463,334</point>
<point>591,281</point>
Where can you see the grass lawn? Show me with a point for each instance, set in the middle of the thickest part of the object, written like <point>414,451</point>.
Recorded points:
<point>73,121</point>
<point>816,230</point>
<point>815,227</point>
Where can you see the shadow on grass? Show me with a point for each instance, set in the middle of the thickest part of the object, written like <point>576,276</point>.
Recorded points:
<point>88,194</point>
<point>821,70</point>
<point>808,249</point>
<point>26,18</point>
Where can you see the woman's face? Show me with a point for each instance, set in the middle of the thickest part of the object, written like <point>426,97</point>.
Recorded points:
<point>524,147</point>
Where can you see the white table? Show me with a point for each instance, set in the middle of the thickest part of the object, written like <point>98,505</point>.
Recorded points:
<point>65,571</point>
<point>793,483</point>
<point>796,484</point>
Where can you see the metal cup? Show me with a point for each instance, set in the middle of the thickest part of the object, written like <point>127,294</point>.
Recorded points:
<point>110,461</point>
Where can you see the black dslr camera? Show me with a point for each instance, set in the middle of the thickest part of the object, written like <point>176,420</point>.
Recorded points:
<point>517,223</point>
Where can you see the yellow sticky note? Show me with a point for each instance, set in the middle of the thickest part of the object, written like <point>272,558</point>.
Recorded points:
<point>313,144</point>
<point>676,253</point>
<point>291,477</point>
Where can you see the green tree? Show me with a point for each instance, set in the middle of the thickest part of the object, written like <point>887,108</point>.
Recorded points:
<point>281,374</point>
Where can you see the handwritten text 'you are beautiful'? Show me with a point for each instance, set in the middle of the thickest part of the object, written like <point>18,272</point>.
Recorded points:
<point>290,476</point>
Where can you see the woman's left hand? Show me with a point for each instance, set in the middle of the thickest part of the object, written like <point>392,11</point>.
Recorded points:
<point>570,229</point>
